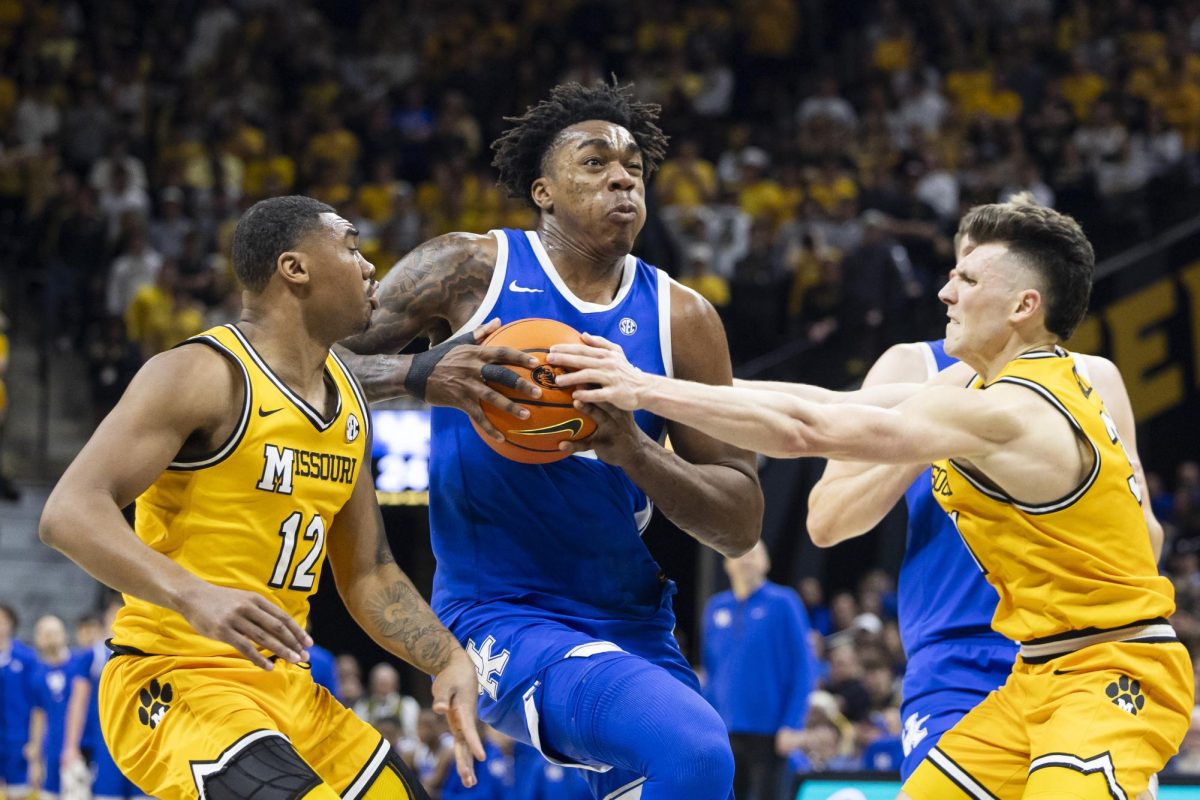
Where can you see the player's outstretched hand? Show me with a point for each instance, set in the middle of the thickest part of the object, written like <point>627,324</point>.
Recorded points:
<point>457,376</point>
<point>601,373</point>
<point>247,621</point>
<point>456,696</point>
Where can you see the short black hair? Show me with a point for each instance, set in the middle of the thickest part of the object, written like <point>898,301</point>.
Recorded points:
<point>267,229</point>
<point>521,150</point>
<point>1051,244</point>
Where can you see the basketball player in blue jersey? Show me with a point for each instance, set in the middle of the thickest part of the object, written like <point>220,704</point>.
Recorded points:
<point>954,658</point>
<point>542,573</point>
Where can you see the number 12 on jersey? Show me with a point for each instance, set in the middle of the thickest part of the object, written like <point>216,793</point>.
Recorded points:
<point>303,578</point>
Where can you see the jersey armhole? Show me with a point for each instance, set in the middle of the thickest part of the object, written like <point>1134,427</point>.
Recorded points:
<point>494,288</point>
<point>235,437</point>
<point>1066,500</point>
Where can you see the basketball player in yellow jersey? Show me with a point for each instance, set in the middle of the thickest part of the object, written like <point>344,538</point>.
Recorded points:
<point>248,450</point>
<point>1028,464</point>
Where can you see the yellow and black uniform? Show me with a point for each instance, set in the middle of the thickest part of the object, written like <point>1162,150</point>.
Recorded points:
<point>186,716</point>
<point>1101,693</point>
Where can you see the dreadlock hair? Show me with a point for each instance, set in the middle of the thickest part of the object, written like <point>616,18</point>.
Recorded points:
<point>521,150</point>
<point>1051,244</point>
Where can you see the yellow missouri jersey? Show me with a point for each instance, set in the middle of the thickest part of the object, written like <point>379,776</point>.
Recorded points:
<point>1083,561</point>
<point>254,514</point>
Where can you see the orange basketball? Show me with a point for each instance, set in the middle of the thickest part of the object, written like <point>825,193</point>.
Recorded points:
<point>552,417</point>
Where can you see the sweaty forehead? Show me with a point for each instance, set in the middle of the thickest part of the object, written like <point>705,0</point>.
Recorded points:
<point>595,131</point>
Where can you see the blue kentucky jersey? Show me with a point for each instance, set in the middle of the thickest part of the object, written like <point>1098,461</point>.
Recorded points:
<point>563,537</point>
<point>16,690</point>
<point>89,664</point>
<point>51,691</point>
<point>942,593</point>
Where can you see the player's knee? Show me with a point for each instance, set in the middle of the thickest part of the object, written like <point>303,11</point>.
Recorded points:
<point>701,763</point>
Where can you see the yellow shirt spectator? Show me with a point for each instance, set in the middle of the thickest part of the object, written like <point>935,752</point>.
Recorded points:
<point>688,183</point>
<point>764,199</point>
<point>336,145</point>
<point>830,190</point>
<point>712,288</point>
<point>1082,89</point>
<point>270,175</point>
<point>157,322</point>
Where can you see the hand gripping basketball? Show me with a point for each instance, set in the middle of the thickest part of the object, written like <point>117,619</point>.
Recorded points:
<point>552,417</point>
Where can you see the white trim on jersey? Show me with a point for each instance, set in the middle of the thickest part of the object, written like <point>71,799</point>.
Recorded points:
<point>494,288</point>
<point>959,776</point>
<point>1081,368</point>
<point>664,323</point>
<point>931,367</point>
<point>592,648</point>
<point>235,438</point>
<point>630,791</point>
<point>582,305</point>
<point>313,415</point>
<point>1101,763</point>
<point>533,726</point>
<point>369,772</point>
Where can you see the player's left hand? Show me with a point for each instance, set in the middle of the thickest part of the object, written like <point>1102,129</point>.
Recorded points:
<point>456,696</point>
<point>600,372</point>
<point>617,438</point>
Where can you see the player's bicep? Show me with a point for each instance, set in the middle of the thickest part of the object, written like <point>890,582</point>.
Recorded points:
<point>434,283</point>
<point>700,353</point>
<point>146,430</point>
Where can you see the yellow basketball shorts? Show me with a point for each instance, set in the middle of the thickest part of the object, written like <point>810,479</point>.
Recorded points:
<point>222,728</point>
<point>1099,722</point>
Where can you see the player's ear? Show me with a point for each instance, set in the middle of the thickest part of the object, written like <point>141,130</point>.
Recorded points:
<point>1029,303</point>
<point>542,196</point>
<point>291,265</point>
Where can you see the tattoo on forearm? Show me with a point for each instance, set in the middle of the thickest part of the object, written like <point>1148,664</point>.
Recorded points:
<point>396,614</point>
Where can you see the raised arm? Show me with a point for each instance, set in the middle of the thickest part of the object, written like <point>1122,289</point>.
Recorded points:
<point>384,602</point>
<point>432,292</point>
<point>852,497</point>
<point>162,412</point>
<point>936,422</point>
<point>1106,378</point>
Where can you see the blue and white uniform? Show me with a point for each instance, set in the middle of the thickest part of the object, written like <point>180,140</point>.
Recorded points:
<point>108,782</point>
<point>16,691</point>
<point>542,573</point>
<point>945,613</point>
<point>51,691</point>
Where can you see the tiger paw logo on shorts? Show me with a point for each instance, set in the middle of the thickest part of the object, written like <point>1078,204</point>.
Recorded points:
<point>154,701</point>
<point>1126,695</point>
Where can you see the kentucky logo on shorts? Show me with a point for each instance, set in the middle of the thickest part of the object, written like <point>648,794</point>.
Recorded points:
<point>154,701</point>
<point>487,665</point>
<point>1126,695</point>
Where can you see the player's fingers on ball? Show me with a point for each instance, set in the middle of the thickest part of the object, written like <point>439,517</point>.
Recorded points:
<point>487,329</point>
<point>505,404</point>
<point>479,418</point>
<point>508,355</point>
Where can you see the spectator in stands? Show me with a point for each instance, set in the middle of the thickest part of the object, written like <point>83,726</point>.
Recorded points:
<point>759,670</point>
<point>136,266</point>
<point>17,663</point>
<point>50,687</point>
<point>384,699</point>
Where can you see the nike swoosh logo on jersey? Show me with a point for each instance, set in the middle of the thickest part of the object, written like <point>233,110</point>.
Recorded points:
<point>513,287</point>
<point>262,413</point>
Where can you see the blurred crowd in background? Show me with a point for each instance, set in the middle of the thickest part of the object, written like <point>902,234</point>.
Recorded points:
<point>821,156</point>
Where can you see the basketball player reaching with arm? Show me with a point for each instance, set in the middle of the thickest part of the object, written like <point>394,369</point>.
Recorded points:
<point>953,657</point>
<point>542,573</point>
<point>1028,463</point>
<point>248,452</point>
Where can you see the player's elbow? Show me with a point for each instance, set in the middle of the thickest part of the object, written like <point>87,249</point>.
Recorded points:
<point>820,527</point>
<point>53,525</point>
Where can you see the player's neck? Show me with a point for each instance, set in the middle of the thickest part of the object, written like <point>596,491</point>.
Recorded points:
<point>990,365</point>
<point>591,273</point>
<point>295,356</point>
<point>56,657</point>
<point>744,588</point>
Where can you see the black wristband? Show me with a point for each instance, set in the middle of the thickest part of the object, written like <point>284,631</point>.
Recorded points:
<point>422,365</point>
